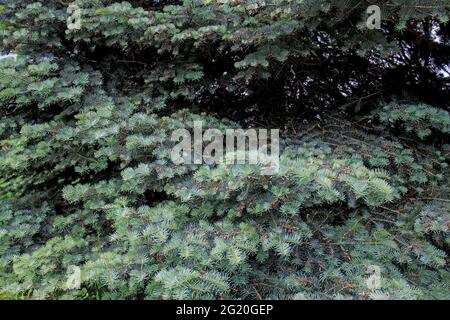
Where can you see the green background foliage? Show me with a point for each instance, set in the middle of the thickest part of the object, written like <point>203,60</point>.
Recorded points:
<point>87,179</point>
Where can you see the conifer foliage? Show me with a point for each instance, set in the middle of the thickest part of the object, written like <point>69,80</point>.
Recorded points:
<point>87,181</point>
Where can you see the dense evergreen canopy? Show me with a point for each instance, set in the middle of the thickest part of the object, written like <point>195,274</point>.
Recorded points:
<point>86,177</point>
